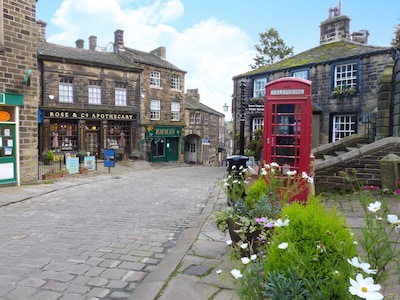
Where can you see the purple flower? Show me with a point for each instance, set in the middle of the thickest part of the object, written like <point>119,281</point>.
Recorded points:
<point>261,220</point>
<point>269,225</point>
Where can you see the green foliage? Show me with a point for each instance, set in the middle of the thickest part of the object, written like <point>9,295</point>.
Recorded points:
<point>289,286</point>
<point>256,144</point>
<point>396,40</point>
<point>319,245</point>
<point>221,219</point>
<point>271,47</point>
<point>50,155</point>
<point>256,192</point>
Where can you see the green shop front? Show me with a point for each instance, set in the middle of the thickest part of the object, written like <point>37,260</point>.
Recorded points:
<point>163,143</point>
<point>9,137</point>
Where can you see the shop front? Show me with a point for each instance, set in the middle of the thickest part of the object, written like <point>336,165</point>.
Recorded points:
<point>74,131</point>
<point>163,143</point>
<point>9,137</point>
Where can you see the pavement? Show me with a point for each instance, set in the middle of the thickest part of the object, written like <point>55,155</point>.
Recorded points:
<point>188,271</point>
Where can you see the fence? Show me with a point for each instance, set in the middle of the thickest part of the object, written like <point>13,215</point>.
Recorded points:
<point>56,167</point>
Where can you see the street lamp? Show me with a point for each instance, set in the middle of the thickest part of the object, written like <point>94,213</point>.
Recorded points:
<point>241,115</point>
<point>225,107</point>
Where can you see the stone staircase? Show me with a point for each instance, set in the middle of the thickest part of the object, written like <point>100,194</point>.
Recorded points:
<point>353,154</point>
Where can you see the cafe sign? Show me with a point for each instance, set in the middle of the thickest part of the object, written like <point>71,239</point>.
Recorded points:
<point>163,131</point>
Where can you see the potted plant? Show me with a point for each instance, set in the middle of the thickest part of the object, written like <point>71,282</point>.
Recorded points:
<point>48,157</point>
<point>84,170</point>
<point>82,154</point>
<point>49,174</point>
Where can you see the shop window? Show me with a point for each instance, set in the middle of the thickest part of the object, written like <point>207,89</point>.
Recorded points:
<point>120,94</point>
<point>175,82</point>
<point>155,79</point>
<point>63,136</point>
<point>157,147</point>
<point>155,110</point>
<point>66,89</point>
<point>94,92</point>
<point>118,136</point>
<point>175,110</point>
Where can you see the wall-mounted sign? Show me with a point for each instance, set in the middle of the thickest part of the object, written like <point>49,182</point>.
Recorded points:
<point>163,131</point>
<point>91,115</point>
<point>4,116</point>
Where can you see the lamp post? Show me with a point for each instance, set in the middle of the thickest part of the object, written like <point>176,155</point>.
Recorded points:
<point>241,115</point>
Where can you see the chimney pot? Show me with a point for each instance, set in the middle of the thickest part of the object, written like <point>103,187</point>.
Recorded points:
<point>79,43</point>
<point>92,42</point>
<point>41,31</point>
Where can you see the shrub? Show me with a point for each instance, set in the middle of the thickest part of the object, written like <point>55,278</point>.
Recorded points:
<point>315,247</point>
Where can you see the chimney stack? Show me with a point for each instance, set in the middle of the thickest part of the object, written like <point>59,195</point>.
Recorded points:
<point>92,42</point>
<point>160,52</point>
<point>119,39</point>
<point>79,43</point>
<point>41,31</point>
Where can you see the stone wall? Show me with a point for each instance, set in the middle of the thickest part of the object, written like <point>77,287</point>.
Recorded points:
<point>396,96</point>
<point>18,57</point>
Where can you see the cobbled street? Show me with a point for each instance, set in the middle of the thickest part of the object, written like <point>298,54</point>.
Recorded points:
<point>101,238</point>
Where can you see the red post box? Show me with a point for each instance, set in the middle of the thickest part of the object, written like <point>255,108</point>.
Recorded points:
<point>287,125</point>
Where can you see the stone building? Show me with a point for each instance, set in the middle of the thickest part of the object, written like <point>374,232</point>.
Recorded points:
<point>162,105</point>
<point>204,132</point>
<point>90,98</point>
<point>110,97</point>
<point>344,71</point>
<point>18,92</point>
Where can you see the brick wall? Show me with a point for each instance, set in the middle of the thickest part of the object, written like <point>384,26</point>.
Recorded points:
<point>18,56</point>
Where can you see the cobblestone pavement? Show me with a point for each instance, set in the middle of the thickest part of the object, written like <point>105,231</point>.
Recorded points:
<point>98,238</point>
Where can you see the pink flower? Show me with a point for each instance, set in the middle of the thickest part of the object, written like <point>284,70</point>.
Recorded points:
<point>261,220</point>
<point>269,225</point>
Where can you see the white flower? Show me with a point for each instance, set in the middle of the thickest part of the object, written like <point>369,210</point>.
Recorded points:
<point>244,245</point>
<point>253,257</point>
<point>365,288</point>
<point>291,173</point>
<point>245,260</point>
<point>304,175</point>
<point>310,179</point>
<point>280,223</point>
<point>263,172</point>
<point>274,165</point>
<point>283,246</point>
<point>362,265</point>
<point>392,219</point>
<point>229,242</point>
<point>218,271</point>
<point>374,207</point>
<point>233,167</point>
<point>236,273</point>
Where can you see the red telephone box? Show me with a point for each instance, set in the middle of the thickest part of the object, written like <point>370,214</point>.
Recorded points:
<point>287,125</point>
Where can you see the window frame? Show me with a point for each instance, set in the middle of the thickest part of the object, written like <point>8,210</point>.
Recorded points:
<point>175,110</point>
<point>259,84</point>
<point>120,94</point>
<point>155,79</point>
<point>175,82</point>
<point>94,92</point>
<point>256,123</point>
<point>340,133</point>
<point>66,89</point>
<point>301,71</point>
<point>155,109</point>
<point>345,82</point>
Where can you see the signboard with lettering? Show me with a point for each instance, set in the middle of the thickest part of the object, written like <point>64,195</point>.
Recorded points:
<point>72,164</point>
<point>109,158</point>
<point>65,114</point>
<point>163,131</point>
<point>90,162</point>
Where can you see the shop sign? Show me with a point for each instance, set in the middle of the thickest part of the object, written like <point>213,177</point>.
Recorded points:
<point>65,114</point>
<point>256,108</point>
<point>163,131</point>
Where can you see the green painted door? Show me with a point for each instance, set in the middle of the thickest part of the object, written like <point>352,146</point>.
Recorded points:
<point>8,154</point>
<point>172,149</point>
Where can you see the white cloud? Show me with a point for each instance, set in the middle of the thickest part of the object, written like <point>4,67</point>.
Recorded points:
<point>211,51</point>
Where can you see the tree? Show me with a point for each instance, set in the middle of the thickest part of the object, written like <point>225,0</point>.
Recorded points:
<point>271,47</point>
<point>396,39</point>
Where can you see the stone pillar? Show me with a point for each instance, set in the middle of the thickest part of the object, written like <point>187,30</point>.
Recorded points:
<point>396,88</point>
<point>384,117</point>
<point>390,172</point>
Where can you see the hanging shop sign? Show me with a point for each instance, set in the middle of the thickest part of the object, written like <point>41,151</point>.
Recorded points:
<point>4,116</point>
<point>90,115</point>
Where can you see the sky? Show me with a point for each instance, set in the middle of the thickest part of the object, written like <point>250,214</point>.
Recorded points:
<point>212,40</point>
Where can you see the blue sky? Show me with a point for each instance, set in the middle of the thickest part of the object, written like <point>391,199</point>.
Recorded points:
<point>213,40</point>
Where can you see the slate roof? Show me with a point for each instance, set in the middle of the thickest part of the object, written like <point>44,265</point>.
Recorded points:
<point>124,59</point>
<point>80,55</point>
<point>196,105</point>
<point>150,59</point>
<point>325,53</point>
